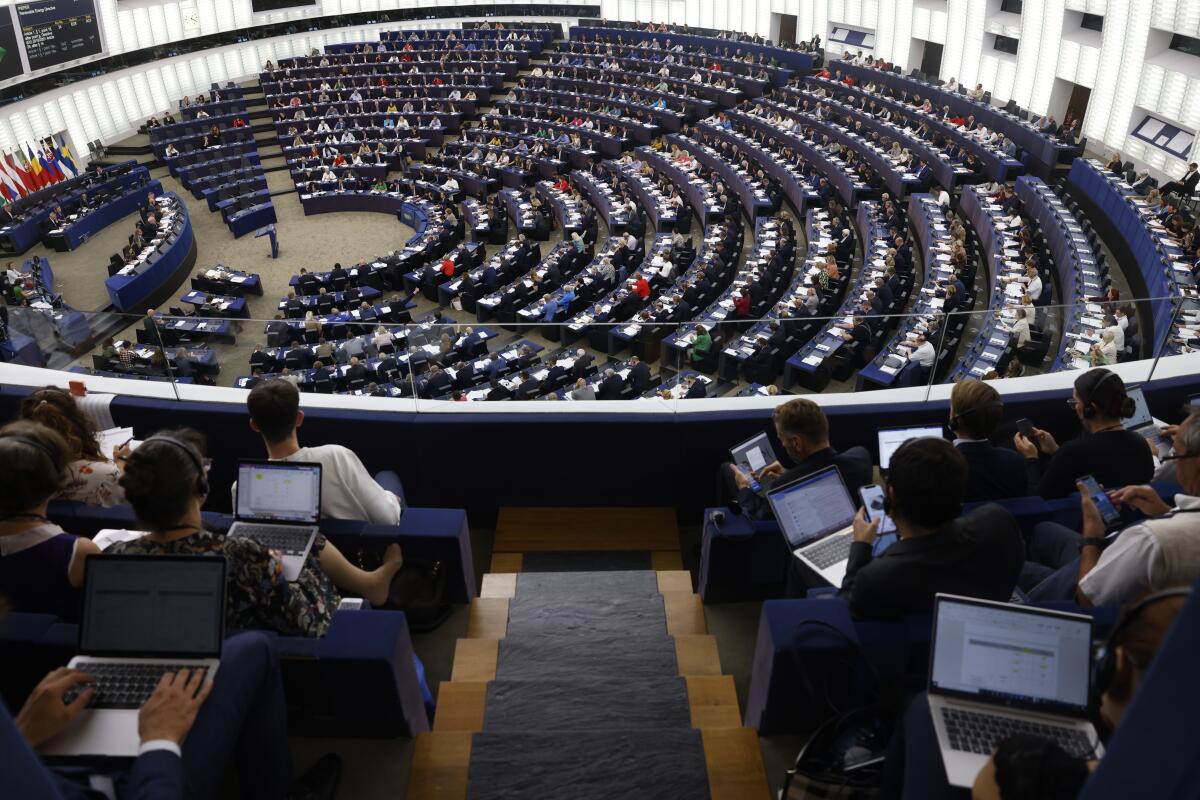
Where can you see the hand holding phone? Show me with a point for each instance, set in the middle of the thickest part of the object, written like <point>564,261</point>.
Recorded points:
<point>873,502</point>
<point>1108,512</point>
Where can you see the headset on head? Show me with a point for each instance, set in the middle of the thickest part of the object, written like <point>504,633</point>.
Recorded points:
<point>953,424</point>
<point>34,443</point>
<point>1089,402</point>
<point>1105,668</point>
<point>201,475</point>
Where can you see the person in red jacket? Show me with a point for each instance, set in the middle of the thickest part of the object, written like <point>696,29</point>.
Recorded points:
<point>448,266</point>
<point>641,286</point>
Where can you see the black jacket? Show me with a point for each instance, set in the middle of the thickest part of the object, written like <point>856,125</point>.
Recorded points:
<point>611,388</point>
<point>993,473</point>
<point>639,378</point>
<point>978,555</point>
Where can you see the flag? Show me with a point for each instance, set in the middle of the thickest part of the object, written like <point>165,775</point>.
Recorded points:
<point>11,190</point>
<point>48,172</point>
<point>64,155</point>
<point>13,167</point>
<point>40,178</point>
<point>51,166</point>
<point>22,167</point>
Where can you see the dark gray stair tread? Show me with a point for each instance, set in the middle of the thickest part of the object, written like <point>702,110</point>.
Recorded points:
<point>532,657</point>
<point>634,617</point>
<point>589,561</point>
<point>587,702</point>
<point>587,584</point>
<point>588,765</point>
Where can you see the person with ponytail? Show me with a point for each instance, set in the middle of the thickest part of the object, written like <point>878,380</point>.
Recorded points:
<point>1115,456</point>
<point>41,567</point>
<point>91,478</point>
<point>165,480</point>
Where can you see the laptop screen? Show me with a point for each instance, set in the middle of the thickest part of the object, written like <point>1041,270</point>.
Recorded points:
<point>890,440</point>
<point>279,491</point>
<point>1011,655</point>
<point>1141,412</point>
<point>754,453</point>
<point>144,606</point>
<point>813,506</point>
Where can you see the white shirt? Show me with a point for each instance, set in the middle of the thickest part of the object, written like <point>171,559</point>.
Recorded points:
<point>347,490</point>
<point>924,355</point>
<point>1034,290</point>
<point>1118,335</point>
<point>1131,564</point>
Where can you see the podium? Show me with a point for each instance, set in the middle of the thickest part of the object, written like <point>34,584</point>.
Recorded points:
<point>269,230</point>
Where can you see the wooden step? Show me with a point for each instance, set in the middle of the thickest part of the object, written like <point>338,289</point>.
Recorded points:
<point>488,618</point>
<point>675,581</point>
<point>661,560</point>
<point>733,757</point>
<point>521,530</point>
<point>506,562</point>
<point>477,659</point>
<point>499,584</point>
<point>685,613</point>
<point>440,764</point>
<point>460,706</point>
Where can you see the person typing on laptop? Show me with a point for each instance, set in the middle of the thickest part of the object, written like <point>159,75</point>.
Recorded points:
<point>166,484</point>
<point>347,490</point>
<point>803,429</point>
<point>978,554</point>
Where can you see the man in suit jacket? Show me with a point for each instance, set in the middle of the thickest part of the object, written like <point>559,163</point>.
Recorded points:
<point>499,391</point>
<point>696,389</point>
<point>356,372</point>
<point>243,704</point>
<point>639,376</point>
<point>528,387</point>
<point>993,473</point>
<point>939,550</point>
<point>437,381</point>
<point>803,430</point>
<point>1185,186</point>
<point>583,360</point>
<point>612,387</point>
<point>554,376</point>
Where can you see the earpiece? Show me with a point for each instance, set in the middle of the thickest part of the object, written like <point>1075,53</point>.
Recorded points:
<point>953,424</point>
<point>202,477</point>
<point>1105,668</point>
<point>34,443</point>
<point>1089,403</point>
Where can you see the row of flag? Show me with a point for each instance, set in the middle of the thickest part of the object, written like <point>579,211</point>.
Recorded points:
<point>27,170</point>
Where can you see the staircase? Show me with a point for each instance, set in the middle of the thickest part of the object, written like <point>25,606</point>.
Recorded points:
<point>587,671</point>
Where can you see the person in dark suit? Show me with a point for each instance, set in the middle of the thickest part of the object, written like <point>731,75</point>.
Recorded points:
<point>499,391</point>
<point>259,359</point>
<point>639,376</point>
<point>1185,186</point>
<point>356,373</point>
<point>939,549</point>
<point>321,373</point>
<point>612,387</point>
<point>583,360</point>
<point>554,375</point>
<point>190,739</point>
<point>437,381</point>
<point>338,277</point>
<point>528,388</point>
<point>308,283</point>
<point>993,473</point>
<point>696,389</point>
<point>803,430</point>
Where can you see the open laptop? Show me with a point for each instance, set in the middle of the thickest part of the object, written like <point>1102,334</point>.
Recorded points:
<point>753,454</point>
<point>996,669</point>
<point>279,506</point>
<point>1142,423</point>
<point>890,439</point>
<point>816,515</point>
<point>143,616</point>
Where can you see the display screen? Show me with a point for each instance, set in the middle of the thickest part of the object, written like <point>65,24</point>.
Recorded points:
<point>10,56</point>
<point>276,5</point>
<point>57,31</point>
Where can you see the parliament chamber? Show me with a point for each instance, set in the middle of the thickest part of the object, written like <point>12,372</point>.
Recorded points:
<point>617,399</point>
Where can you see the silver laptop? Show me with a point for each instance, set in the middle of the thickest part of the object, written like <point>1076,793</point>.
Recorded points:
<point>816,515</point>
<point>143,616</point>
<point>996,669</point>
<point>890,439</point>
<point>1142,423</point>
<point>279,506</point>
<point>753,454</point>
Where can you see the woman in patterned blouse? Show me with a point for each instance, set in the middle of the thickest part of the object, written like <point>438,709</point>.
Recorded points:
<point>91,478</point>
<point>166,485</point>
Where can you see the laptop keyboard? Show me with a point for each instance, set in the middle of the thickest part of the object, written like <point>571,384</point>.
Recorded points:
<point>290,542</point>
<point>975,732</point>
<point>829,551</point>
<point>124,685</point>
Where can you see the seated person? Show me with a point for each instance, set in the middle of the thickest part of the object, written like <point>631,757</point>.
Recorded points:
<point>190,733</point>
<point>1161,550</point>
<point>1024,765</point>
<point>993,473</point>
<point>938,548</point>
<point>166,483</point>
<point>803,429</point>
<point>41,568</point>
<point>347,490</point>
<point>1115,456</point>
<point>91,478</point>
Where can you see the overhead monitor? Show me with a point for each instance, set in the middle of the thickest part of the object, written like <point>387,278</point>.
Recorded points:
<point>58,31</point>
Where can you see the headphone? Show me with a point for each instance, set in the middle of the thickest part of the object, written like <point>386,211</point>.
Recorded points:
<point>1089,404</point>
<point>34,443</point>
<point>201,475</point>
<point>1105,668</point>
<point>953,424</point>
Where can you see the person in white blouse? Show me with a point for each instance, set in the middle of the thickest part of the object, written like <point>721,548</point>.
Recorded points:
<point>1020,329</point>
<point>92,478</point>
<point>1033,286</point>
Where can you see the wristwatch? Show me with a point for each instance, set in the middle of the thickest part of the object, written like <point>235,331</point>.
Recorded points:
<point>1091,541</point>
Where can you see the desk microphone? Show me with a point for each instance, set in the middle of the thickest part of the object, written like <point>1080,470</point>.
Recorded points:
<point>718,518</point>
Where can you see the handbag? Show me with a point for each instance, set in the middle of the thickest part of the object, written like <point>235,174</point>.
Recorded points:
<point>419,590</point>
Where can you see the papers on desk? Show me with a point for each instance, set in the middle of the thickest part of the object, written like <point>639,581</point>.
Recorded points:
<point>112,438</point>
<point>110,536</point>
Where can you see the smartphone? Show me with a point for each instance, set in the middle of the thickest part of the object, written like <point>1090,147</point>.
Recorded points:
<point>872,500</point>
<point>1108,512</point>
<point>1025,427</point>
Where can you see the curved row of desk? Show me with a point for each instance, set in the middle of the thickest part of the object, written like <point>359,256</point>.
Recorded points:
<point>162,270</point>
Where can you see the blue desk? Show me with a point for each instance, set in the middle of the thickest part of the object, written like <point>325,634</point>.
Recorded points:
<point>753,197</point>
<point>218,306</point>
<point>130,292</point>
<point>251,219</point>
<point>75,233</point>
<point>802,62</point>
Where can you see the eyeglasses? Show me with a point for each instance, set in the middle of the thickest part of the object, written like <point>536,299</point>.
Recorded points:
<point>1177,456</point>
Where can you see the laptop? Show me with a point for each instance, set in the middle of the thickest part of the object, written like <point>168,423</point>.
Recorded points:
<point>996,669</point>
<point>890,439</point>
<point>279,506</point>
<point>816,516</point>
<point>142,616</point>
<point>753,454</point>
<point>1142,423</point>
